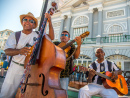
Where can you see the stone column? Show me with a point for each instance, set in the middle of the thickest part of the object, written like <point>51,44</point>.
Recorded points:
<point>128,15</point>
<point>62,25</point>
<point>90,26</point>
<point>68,23</point>
<point>93,56</point>
<point>100,21</point>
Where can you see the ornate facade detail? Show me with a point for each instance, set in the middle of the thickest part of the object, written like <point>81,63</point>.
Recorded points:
<point>115,28</point>
<point>100,8</point>
<point>115,13</point>
<point>3,37</point>
<point>80,20</point>
<point>110,52</point>
<point>117,51</point>
<point>56,24</point>
<point>90,10</point>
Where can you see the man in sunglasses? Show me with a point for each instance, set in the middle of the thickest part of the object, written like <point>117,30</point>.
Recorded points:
<point>19,52</point>
<point>64,76</point>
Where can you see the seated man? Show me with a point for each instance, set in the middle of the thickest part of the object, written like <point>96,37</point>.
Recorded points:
<point>94,82</point>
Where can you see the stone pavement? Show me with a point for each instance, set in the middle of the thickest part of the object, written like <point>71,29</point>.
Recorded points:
<point>2,79</point>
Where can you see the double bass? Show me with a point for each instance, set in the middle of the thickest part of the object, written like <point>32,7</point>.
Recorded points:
<point>42,78</point>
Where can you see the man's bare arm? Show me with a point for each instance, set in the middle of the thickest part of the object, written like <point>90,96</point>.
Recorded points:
<point>78,40</point>
<point>51,30</point>
<point>12,52</point>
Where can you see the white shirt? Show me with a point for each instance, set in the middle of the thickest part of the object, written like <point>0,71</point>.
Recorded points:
<point>23,40</point>
<point>113,66</point>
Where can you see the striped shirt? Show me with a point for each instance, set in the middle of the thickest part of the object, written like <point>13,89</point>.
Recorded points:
<point>113,67</point>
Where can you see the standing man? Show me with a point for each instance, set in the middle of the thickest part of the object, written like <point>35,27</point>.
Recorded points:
<point>94,82</point>
<point>64,76</point>
<point>19,52</point>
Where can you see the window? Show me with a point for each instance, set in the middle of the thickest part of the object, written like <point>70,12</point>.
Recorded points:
<point>80,25</point>
<point>80,20</point>
<point>79,31</point>
<point>113,38</point>
<point>115,29</point>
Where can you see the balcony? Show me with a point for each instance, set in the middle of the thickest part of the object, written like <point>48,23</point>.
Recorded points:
<point>115,39</point>
<point>112,39</point>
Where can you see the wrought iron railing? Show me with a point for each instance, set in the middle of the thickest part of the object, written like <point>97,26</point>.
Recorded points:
<point>111,39</point>
<point>88,41</point>
<point>115,39</point>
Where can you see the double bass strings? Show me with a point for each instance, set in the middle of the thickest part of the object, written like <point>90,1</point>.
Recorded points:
<point>33,56</point>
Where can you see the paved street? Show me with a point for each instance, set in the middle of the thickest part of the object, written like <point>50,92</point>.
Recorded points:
<point>2,79</point>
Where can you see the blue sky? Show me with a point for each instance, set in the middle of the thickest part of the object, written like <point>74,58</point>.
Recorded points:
<point>10,10</point>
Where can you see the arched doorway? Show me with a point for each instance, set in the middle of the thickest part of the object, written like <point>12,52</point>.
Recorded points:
<point>122,61</point>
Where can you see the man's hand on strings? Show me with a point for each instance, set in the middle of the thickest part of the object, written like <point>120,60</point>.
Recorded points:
<point>48,16</point>
<point>25,51</point>
<point>91,73</point>
<point>114,75</point>
<point>78,40</point>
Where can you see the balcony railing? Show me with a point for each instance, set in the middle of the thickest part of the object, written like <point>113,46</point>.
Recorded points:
<point>111,39</point>
<point>89,41</point>
<point>115,39</point>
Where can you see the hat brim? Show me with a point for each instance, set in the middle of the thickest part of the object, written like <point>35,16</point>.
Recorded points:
<point>25,15</point>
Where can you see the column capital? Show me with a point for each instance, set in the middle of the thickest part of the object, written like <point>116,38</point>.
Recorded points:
<point>128,3</point>
<point>100,8</point>
<point>90,10</point>
<point>69,16</point>
<point>63,16</point>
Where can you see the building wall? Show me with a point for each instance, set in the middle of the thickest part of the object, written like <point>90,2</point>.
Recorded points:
<point>3,38</point>
<point>99,26</point>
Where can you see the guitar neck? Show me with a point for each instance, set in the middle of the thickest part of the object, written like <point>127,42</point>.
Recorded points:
<point>103,76</point>
<point>82,36</point>
<point>68,44</point>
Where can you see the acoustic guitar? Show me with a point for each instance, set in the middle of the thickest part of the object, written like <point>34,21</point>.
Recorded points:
<point>119,85</point>
<point>67,47</point>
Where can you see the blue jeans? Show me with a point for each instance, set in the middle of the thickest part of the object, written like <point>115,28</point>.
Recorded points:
<point>64,83</point>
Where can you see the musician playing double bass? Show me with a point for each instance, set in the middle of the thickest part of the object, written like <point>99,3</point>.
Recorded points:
<point>94,82</point>
<point>19,52</point>
<point>64,76</point>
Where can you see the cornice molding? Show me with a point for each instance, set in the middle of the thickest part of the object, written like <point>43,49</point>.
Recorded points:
<point>115,6</point>
<point>128,3</point>
<point>113,2</point>
<point>96,6</point>
<point>91,2</point>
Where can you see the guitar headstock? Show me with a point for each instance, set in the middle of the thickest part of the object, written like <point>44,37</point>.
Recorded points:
<point>84,34</point>
<point>53,8</point>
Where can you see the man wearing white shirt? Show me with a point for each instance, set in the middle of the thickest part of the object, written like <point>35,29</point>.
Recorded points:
<point>19,52</point>
<point>94,81</point>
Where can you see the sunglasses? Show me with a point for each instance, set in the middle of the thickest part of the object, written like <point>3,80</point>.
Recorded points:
<point>31,21</point>
<point>64,35</point>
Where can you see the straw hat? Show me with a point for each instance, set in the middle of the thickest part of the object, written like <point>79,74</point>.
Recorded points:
<point>29,15</point>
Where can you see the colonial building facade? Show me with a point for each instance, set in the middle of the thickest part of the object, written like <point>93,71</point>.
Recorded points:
<point>3,38</point>
<point>108,22</point>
